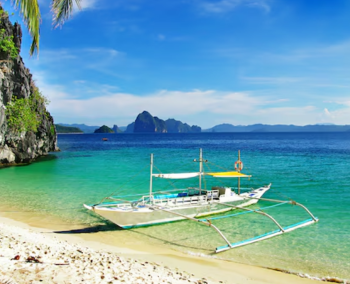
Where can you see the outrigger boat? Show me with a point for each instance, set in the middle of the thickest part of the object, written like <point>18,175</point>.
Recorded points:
<point>193,203</point>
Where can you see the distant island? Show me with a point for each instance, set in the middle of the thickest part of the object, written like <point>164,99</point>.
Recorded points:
<point>278,128</point>
<point>104,129</point>
<point>83,127</point>
<point>146,123</point>
<point>66,129</point>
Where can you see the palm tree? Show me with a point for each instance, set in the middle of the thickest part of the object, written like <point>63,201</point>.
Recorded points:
<point>62,10</point>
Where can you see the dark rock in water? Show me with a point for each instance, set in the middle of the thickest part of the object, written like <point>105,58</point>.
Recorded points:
<point>104,129</point>
<point>116,129</point>
<point>20,147</point>
<point>145,122</point>
<point>160,125</point>
<point>176,126</point>
<point>196,129</point>
<point>130,128</point>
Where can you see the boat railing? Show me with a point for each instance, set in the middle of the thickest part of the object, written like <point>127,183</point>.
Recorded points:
<point>180,197</point>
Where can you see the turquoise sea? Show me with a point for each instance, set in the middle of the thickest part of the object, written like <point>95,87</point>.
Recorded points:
<point>311,168</point>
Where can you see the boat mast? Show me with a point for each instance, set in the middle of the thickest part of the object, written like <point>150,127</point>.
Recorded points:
<point>200,169</point>
<point>150,182</point>
<point>239,179</point>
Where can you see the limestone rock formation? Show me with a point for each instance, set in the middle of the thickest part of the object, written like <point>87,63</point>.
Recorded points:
<point>176,126</point>
<point>145,122</point>
<point>116,129</point>
<point>16,81</point>
<point>130,128</point>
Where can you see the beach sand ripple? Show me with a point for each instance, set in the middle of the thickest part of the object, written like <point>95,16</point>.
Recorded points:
<point>31,257</point>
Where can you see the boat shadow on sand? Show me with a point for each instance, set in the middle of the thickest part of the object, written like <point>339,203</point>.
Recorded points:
<point>91,229</point>
<point>111,227</point>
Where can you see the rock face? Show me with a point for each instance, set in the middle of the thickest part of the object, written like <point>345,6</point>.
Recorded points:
<point>130,128</point>
<point>176,126</point>
<point>116,129</point>
<point>145,122</point>
<point>16,81</point>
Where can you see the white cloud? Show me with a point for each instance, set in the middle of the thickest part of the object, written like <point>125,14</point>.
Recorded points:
<point>88,4</point>
<point>224,6</point>
<point>203,108</point>
<point>327,112</point>
<point>272,80</point>
<point>161,37</point>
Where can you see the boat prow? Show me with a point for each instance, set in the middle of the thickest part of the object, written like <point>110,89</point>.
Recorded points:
<point>88,207</point>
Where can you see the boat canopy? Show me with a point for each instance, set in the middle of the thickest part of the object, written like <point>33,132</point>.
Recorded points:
<point>192,175</point>
<point>227,174</point>
<point>177,176</point>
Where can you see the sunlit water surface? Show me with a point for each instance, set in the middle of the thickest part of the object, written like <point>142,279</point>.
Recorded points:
<point>311,168</point>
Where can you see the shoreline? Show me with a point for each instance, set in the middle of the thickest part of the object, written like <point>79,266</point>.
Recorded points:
<point>196,269</point>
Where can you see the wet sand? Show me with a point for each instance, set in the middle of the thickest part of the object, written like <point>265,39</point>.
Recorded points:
<point>46,256</point>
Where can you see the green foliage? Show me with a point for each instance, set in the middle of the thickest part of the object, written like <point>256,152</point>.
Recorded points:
<point>26,114</point>
<point>3,14</point>
<point>52,130</point>
<point>20,115</point>
<point>7,44</point>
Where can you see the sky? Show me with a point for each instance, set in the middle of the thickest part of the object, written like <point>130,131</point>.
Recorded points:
<point>204,62</point>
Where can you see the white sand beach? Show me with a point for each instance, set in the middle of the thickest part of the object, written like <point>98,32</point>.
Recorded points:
<point>35,255</point>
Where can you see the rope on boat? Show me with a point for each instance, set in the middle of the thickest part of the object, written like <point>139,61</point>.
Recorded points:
<point>128,181</point>
<point>245,212</point>
<point>172,183</point>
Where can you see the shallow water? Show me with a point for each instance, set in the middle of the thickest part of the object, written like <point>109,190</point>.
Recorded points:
<point>311,168</point>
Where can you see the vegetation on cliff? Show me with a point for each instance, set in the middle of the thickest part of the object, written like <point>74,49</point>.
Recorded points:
<point>7,44</point>
<point>26,128</point>
<point>62,10</point>
<point>26,114</point>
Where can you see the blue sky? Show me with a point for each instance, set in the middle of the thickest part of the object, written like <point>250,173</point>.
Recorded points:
<point>203,62</point>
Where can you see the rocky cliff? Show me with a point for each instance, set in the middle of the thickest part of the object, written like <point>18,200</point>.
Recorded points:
<point>20,146</point>
<point>145,122</point>
<point>116,129</point>
<point>130,128</point>
<point>176,126</point>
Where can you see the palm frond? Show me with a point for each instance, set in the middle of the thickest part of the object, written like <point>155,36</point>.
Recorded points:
<point>63,9</point>
<point>31,16</point>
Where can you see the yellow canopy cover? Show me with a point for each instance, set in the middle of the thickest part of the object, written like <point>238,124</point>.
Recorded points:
<point>227,174</point>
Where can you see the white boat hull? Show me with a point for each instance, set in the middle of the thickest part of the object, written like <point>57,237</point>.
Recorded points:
<point>146,215</point>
